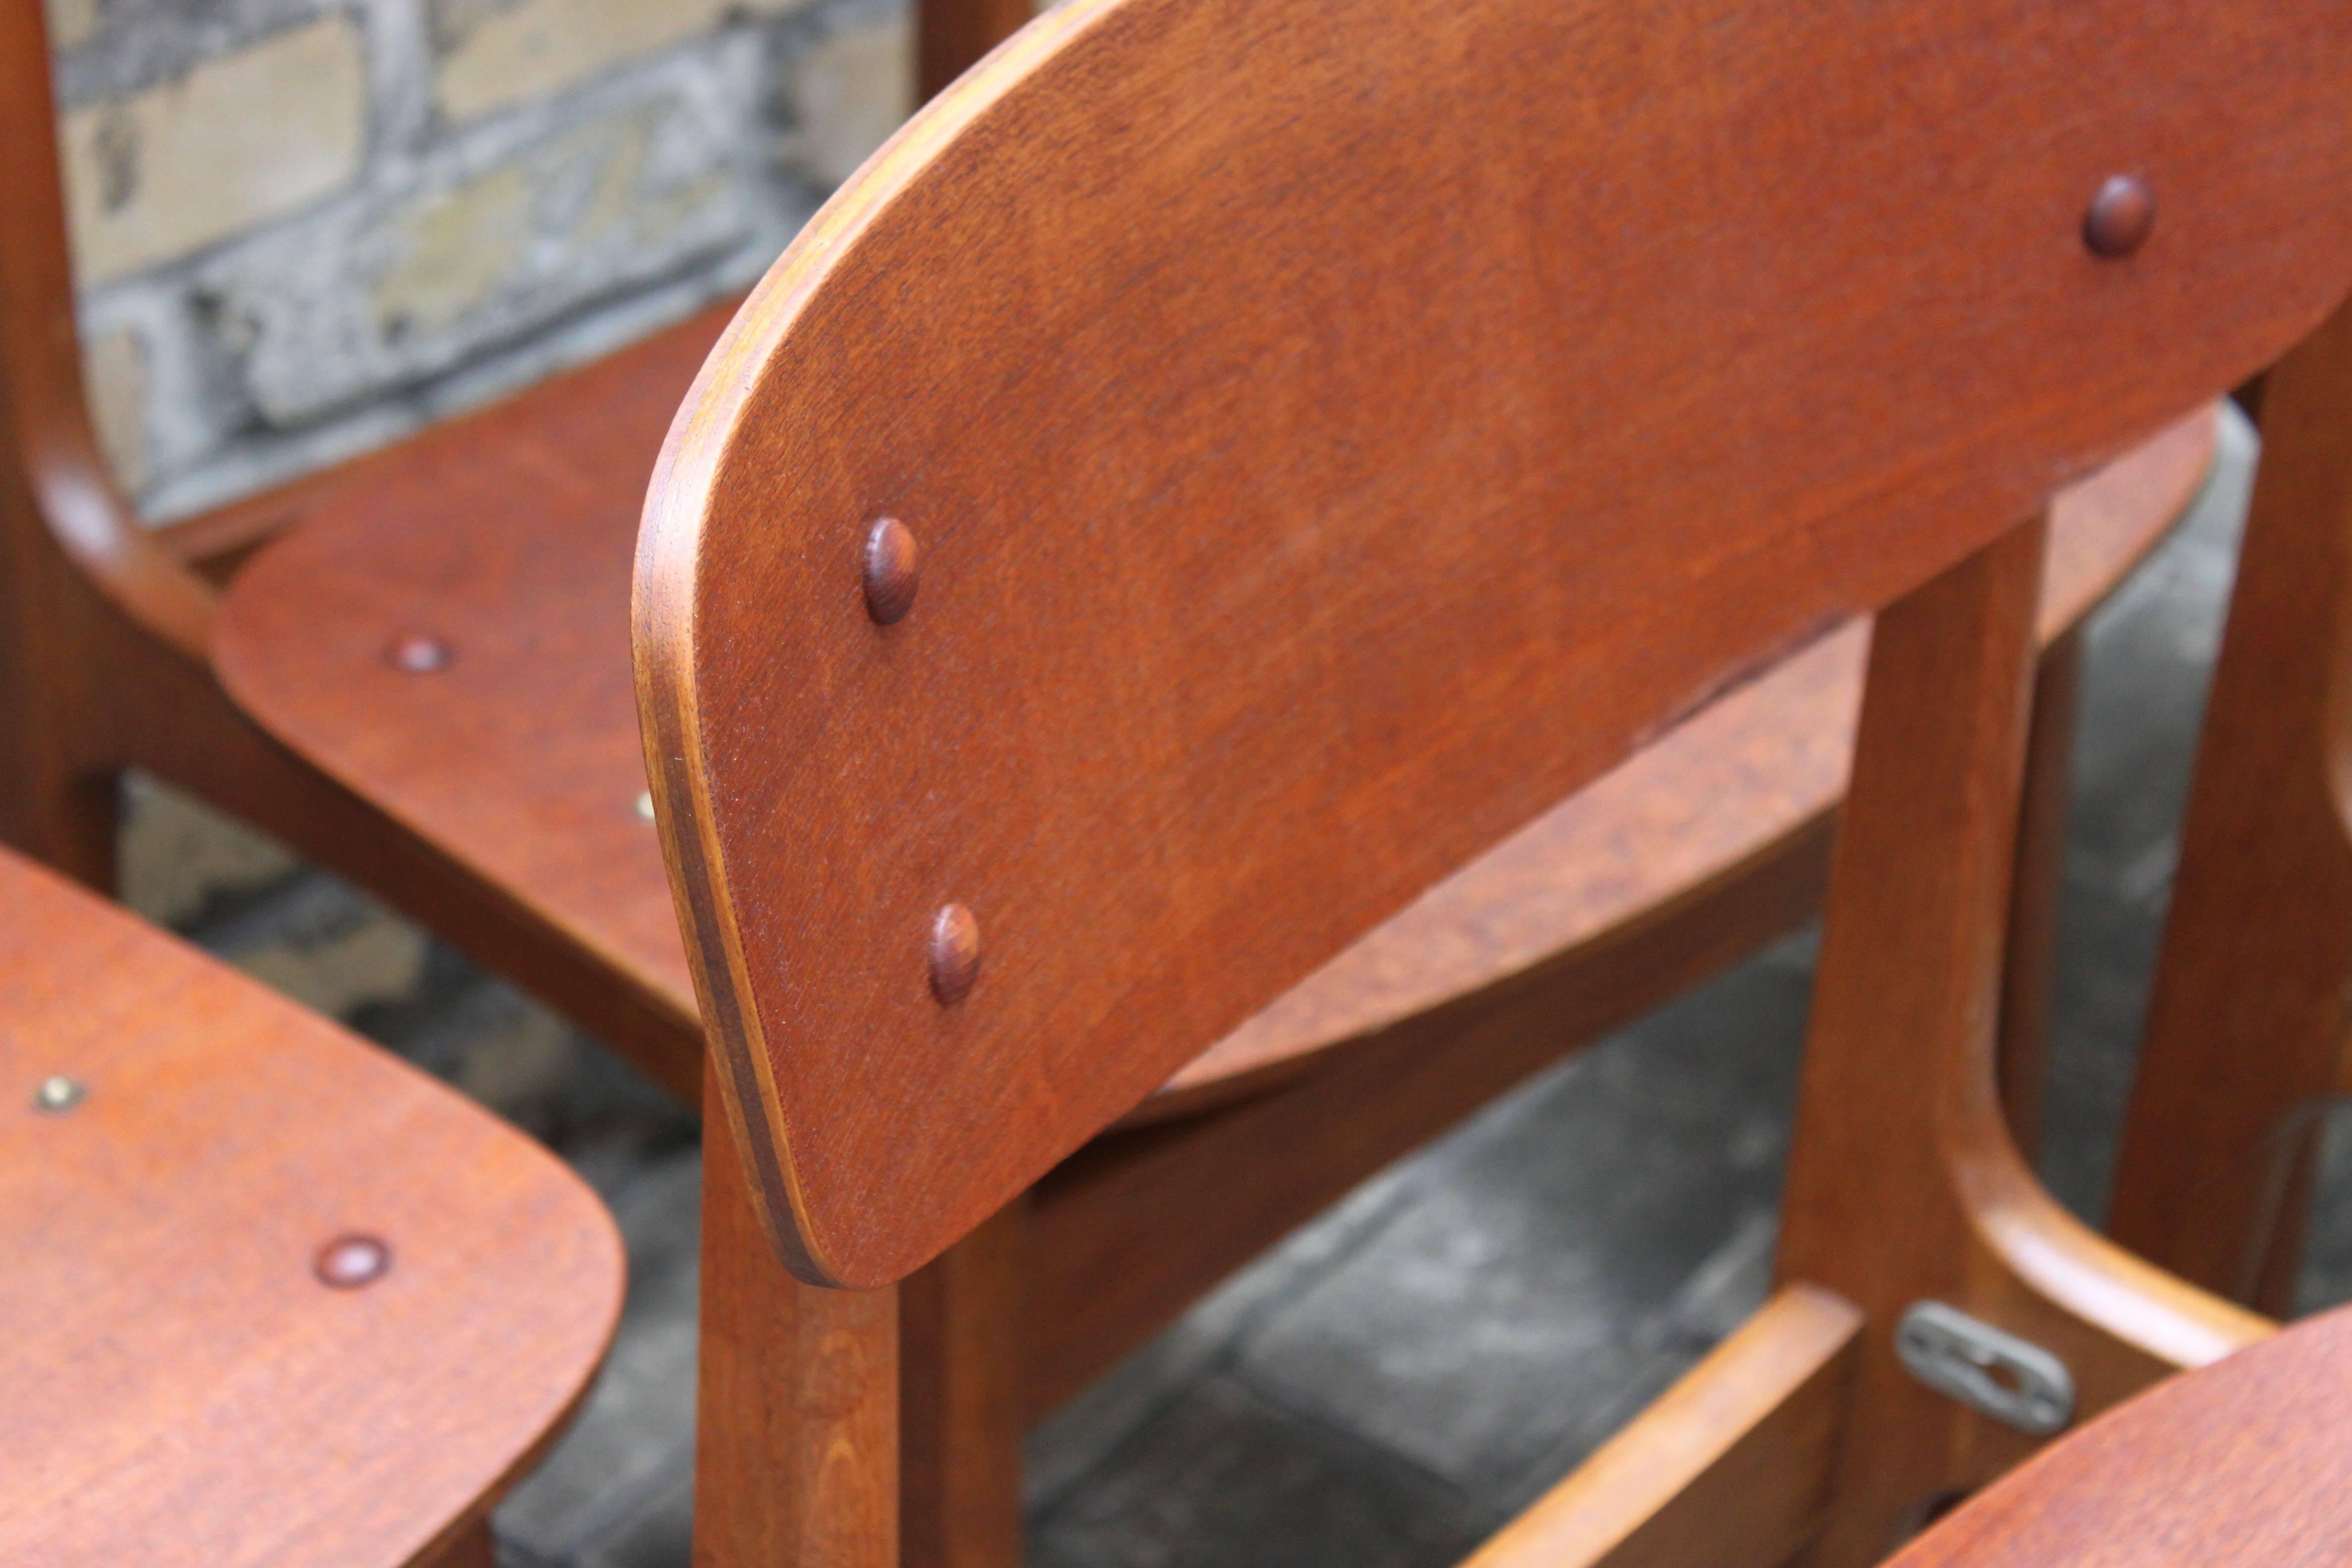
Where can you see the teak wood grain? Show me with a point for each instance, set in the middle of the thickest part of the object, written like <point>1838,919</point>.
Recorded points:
<point>1658,874</point>
<point>1142,645</point>
<point>105,666</point>
<point>179,1386</point>
<point>1903,1181</point>
<point>796,1396</point>
<point>2242,1464</point>
<point>506,533</point>
<point>522,758</point>
<point>2246,1033</point>
<point>1281,552</point>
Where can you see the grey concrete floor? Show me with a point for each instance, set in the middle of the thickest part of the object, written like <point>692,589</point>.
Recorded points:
<point>1409,1369</point>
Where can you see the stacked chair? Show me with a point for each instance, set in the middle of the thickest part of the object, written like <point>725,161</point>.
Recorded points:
<point>1205,480</point>
<point>268,1298</point>
<point>1255,577</point>
<point>413,669</point>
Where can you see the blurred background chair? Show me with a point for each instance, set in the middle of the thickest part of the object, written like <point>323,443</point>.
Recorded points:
<point>271,1296</point>
<point>2245,1049</point>
<point>1193,693</point>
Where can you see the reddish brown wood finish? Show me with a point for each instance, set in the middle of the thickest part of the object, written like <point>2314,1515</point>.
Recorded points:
<point>522,753</point>
<point>104,632</point>
<point>99,679</point>
<point>960,1400</point>
<point>1682,859</point>
<point>796,1397</point>
<point>2243,1464</point>
<point>1085,461</point>
<point>517,845</point>
<point>948,38</point>
<point>2247,1024</point>
<point>1229,692</point>
<point>1749,775</point>
<point>179,1387</point>
<point>539,801</point>
<point>1904,1184</point>
<point>1908,987</point>
<point>2029,977</point>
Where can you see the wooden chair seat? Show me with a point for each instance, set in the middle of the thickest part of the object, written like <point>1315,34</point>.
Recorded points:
<point>2243,1462</point>
<point>179,1382</point>
<point>501,543</point>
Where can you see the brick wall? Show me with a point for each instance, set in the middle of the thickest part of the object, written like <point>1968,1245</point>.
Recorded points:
<point>303,227</point>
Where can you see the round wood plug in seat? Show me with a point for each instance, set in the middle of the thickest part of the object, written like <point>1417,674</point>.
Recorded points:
<point>444,630</point>
<point>2246,1463</point>
<point>270,1295</point>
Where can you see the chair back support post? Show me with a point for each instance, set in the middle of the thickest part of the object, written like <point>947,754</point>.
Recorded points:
<point>2247,1021</point>
<point>1905,1004</point>
<point>51,449</point>
<point>796,1396</point>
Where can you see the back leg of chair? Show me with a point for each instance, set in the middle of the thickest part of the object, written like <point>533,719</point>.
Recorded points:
<point>2030,969</point>
<point>796,1396</point>
<point>2247,1022</point>
<point>962,1405</point>
<point>950,34</point>
<point>1804,1430</point>
<point>1903,1184</point>
<point>53,807</point>
<point>472,1547</point>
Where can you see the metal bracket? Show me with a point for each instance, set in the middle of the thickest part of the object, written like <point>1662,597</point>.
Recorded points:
<point>2011,1380</point>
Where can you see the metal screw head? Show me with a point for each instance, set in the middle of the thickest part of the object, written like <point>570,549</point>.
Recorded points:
<point>891,576</point>
<point>349,1262</point>
<point>2120,217</point>
<point>955,953</point>
<point>418,655</point>
<point>59,1094</point>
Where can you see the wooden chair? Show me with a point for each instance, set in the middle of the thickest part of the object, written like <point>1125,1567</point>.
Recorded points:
<point>412,667</point>
<point>1223,468</point>
<point>2246,1046</point>
<point>2241,1465</point>
<point>270,1297</point>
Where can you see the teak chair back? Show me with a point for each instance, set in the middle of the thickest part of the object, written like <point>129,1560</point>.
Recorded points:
<point>1221,467</point>
<point>258,656</point>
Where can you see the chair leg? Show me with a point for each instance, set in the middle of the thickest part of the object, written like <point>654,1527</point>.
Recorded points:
<point>55,804</point>
<point>2249,1011</point>
<point>68,822</point>
<point>2030,968</point>
<point>472,1547</point>
<point>2278,1272</point>
<point>796,1440</point>
<point>1903,1184</point>
<point>960,1401</point>
<point>951,35</point>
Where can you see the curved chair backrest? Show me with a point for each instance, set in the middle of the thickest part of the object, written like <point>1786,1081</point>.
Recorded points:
<point>1329,434</point>
<point>51,475</point>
